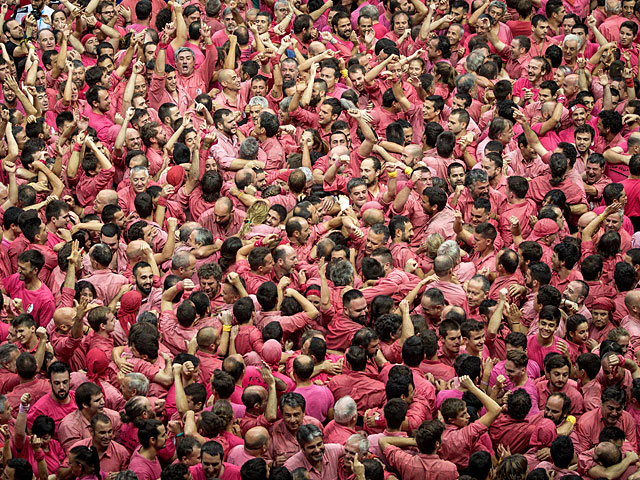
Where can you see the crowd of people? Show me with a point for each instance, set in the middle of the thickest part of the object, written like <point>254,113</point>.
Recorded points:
<point>361,240</point>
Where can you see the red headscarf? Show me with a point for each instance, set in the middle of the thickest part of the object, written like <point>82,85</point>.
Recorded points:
<point>129,306</point>
<point>97,365</point>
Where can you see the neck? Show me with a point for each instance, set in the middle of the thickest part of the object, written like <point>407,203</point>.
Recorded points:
<point>64,401</point>
<point>32,284</point>
<point>564,273</point>
<point>522,380</point>
<point>148,453</point>
<point>495,180</point>
<point>99,448</point>
<point>543,342</point>
<point>9,235</point>
<point>86,415</point>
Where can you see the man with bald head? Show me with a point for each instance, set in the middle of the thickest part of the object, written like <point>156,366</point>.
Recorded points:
<point>631,323</point>
<point>223,220</point>
<point>68,333</point>
<point>319,398</point>
<point>584,220</point>
<point>609,455</point>
<point>183,264</point>
<point>285,259</point>
<point>257,444</point>
<point>234,94</point>
<point>103,198</point>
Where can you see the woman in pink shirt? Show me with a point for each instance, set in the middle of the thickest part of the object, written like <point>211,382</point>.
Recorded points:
<point>85,463</point>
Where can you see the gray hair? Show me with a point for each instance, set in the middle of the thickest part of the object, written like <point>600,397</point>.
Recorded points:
<point>203,236</point>
<point>280,2</point>
<point>261,101</point>
<point>284,104</point>
<point>183,49</point>
<point>451,249</point>
<point>5,352</point>
<point>464,83</point>
<point>361,440</point>
<point>486,284</point>
<point>138,382</point>
<point>249,149</point>
<point>475,61</point>
<point>227,11</point>
<point>614,9</point>
<point>571,37</point>
<point>4,403</point>
<point>342,273</point>
<point>212,8</point>
<point>138,168</point>
<point>344,410</point>
<point>370,11</point>
<point>498,4</point>
<point>474,176</point>
<point>306,433</point>
<point>181,260</point>
<point>308,174</point>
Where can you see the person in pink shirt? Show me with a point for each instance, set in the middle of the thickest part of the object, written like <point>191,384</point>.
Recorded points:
<point>320,459</point>
<point>557,368</point>
<point>512,426</point>
<point>515,369</point>
<point>144,461</point>
<point>427,465</point>
<point>319,398</point>
<point>545,341</point>
<point>61,401</point>
<point>212,465</point>
<point>113,456</point>
<point>611,413</point>
<point>345,415</point>
<point>107,283</point>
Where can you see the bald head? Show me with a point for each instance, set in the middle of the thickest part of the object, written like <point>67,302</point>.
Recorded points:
<point>442,265</point>
<point>586,218</point>
<point>414,152</point>
<point>256,438</point>
<point>134,250</point>
<point>206,337</point>
<point>105,197</point>
<point>316,48</point>
<point>225,75</point>
<point>63,317</point>
<point>547,108</point>
<point>632,302</point>
<point>372,217</point>
<point>607,454</point>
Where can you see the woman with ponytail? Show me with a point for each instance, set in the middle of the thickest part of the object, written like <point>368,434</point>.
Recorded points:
<point>85,463</point>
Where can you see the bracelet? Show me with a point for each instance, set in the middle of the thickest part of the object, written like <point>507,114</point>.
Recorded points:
<point>226,328</point>
<point>24,408</point>
<point>98,24</point>
<point>163,46</point>
<point>179,434</point>
<point>38,455</point>
<point>409,185</point>
<point>333,41</point>
<point>258,243</point>
<point>408,171</point>
<point>162,201</point>
<point>393,174</point>
<point>630,83</point>
<point>344,73</point>
<point>77,147</point>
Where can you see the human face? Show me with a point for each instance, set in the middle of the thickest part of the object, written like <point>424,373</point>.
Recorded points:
<point>547,328</point>
<point>400,24</point>
<point>365,25</point>
<point>581,335</point>
<point>462,419</point>
<point>289,70</point>
<point>357,310</point>
<point>343,28</point>
<point>144,280</point>
<point>374,240</point>
<point>104,101</point>
<point>273,219</point>
<point>583,144</point>
<point>292,417</point>
<point>96,404</point>
<point>451,342</point>
<point>102,434</point>
<point>534,72</point>
<point>209,286</point>
<point>357,79</point>
<point>359,195</point>
<point>139,180</point>
<point>368,172</point>
<point>611,412</point>
<point>314,450</point>
<point>185,63</point>
<point>480,189</point>
<point>553,409</point>
<point>87,294</point>
<point>454,124</point>
<point>77,468</point>
<point>626,37</point>
<point>570,50</point>
<point>46,40</point>
<point>222,214</point>
<point>600,318</point>
<point>60,385</point>
<point>15,30</point>
<point>624,343</point>
<point>429,112</point>
<point>454,34</point>
<point>475,294</point>
<point>161,439</point>
<point>212,464</point>
<point>558,378</point>
<point>514,374</point>
<point>289,261</point>
<point>26,272</point>
<point>475,342</point>
<point>456,177</point>
<point>490,167</point>
<point>540,31</point>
